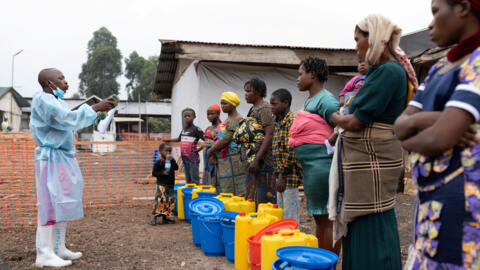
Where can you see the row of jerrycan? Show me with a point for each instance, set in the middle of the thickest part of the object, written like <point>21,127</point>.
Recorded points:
<point>239,204</point>
<point>236,203</point>
<point>195,191</point>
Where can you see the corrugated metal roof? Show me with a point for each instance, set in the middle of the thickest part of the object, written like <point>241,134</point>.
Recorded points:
<point>168,62</point>
<point>416,43</point>
<point>166,41</point>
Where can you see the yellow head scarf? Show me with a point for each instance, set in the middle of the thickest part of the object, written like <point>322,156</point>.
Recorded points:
<point>231,98</point>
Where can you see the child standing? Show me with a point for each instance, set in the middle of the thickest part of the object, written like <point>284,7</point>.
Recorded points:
<point>188,139</point>
<point>288,171</point>
<point>213,116</point>
<point>59,181</point>
<point>164,169</point>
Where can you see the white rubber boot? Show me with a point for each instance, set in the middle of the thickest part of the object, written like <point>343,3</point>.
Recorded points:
<point>45,254</point>
<point>59,232</point>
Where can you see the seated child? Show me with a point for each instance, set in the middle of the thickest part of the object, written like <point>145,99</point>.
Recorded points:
<point>164,169</point>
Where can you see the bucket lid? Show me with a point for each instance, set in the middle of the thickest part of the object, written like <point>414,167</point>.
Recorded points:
<point>307,257</point>
<point>285,224</point>
<point>206,206</point>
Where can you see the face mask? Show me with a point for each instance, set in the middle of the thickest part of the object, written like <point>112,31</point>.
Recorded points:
<point>57,92</point>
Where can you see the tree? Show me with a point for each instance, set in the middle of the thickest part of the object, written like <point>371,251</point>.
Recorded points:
<point>140,73</point>
<point>159,125</point>
<point>76,96</point>
<point>104,64</point>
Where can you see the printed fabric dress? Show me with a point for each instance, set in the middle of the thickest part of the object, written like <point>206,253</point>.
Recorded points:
<point>447,233</point>
<point>230,173</point>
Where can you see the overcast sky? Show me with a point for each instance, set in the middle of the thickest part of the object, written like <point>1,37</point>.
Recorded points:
<point>55,33</point>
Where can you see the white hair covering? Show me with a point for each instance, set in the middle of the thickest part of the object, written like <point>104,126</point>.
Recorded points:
<point>381,33</point>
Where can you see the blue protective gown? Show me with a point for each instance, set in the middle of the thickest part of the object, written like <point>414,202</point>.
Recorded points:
<point>59,180</point>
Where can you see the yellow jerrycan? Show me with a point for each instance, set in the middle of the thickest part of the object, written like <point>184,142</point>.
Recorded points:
<point>275,211</point>
<point>247,206</point>
<point>271,242</point>
<point>242,231</point>
<point>261,221</point>
<point>262,206</point>
<point>181,214</point>
<point>205,188</point>
<point>234,205</point>
<point>224,197</point>
<point>310,240</point>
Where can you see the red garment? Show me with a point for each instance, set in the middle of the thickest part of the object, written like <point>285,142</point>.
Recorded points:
<point>464,47</point>
<point>309,128</point>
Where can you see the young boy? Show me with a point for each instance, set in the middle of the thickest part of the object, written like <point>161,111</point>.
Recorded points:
<point>188,146</point>
<point>288,171</point>
<point>59,180</point>
<point>164,169</point>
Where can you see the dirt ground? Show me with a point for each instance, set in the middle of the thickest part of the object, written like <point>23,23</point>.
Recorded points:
<point>121,238</point>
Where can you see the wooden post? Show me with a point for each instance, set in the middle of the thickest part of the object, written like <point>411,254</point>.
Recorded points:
<point>139,117</point>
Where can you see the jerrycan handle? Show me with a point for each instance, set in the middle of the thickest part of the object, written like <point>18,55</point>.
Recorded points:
<point>255,214</point>
<point>288,233</point>
<point>226,195</point>
<point>190,185</point>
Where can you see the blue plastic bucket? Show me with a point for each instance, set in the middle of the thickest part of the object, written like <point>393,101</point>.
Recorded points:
<point>195,229</point>
<point>207,194</point>
<point>187,198</point>
<point>276,264</point>
<point>228,228</point>
<point>211,235</point>
<point>301,257</point>
<point>175,188</point>
<point>202,207</point>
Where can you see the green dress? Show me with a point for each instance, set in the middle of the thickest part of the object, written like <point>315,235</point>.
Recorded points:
<point>372,240</point>
<point>314,158</point>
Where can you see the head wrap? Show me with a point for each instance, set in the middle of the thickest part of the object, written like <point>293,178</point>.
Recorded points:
<point>381,33</point>
<point>231,98</point>
<point>214,107</point>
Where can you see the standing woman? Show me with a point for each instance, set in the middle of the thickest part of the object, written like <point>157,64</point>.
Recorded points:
<point>311,128</point>
<point>439,126</point>
<point>258,128</point>
<point>225,155</point>
<point>371,157</point>
<point>213,116</point>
